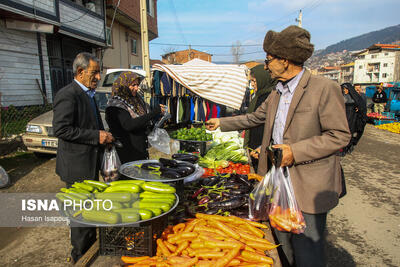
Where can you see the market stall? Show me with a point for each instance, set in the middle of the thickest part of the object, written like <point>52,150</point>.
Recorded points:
<point>192,208</point>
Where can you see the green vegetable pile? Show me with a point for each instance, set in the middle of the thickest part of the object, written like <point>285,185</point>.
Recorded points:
<point>193,134</point>
<point>221,154</point>
<point>125,201</point>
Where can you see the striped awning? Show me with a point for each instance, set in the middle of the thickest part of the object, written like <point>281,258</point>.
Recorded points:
<point>222,84</point>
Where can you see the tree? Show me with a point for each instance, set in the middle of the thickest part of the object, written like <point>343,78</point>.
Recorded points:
<point>169,58</point>
<point>237,51</point>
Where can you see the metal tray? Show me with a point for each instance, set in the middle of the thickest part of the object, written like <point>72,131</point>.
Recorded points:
<point>131,171</point>
<point>80,220</point>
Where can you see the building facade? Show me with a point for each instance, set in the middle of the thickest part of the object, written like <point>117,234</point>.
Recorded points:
<point>378,63</point>
<point>347,73</point>
<point>124,42</point>
<point>183,56</point>
<point>39,40</point>
<point>332,73</point>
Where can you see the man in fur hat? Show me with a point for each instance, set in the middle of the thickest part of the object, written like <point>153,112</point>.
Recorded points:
<point>304,117</point>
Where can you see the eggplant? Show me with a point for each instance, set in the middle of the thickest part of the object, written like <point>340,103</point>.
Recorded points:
<point>151,166</point>
<point>169,173</point>
<point>229,204</point>
<point>204,200</point>
<point>185,170</point>
<point>186,157</point>
<point>211,181</point>
<point>198,192</point>
<point>168,162</point>
<point>211,211</point>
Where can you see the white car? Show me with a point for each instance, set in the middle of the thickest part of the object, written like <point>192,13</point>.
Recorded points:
<point>39,136</point>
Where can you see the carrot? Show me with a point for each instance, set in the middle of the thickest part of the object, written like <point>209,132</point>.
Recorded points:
<point>183,235</point>
<point>185,253</point>
<point>250,237</point>
<point>215,217</point>
<point>280,222</point>
<point>260,245</point>
<point>197,245</point>
<point>234,262</point>
<point>179,227</point>
<point>189,227</point>
<point>170,247</point>
<point>248,248</point>
<point>255,265</point>
<point>221,262</point>
<point>258,232</point>
<point>224,228</point>
<point>127,259</point>
<point>204,263</point>
<point>205,229</point>
<point>191,252</point>
<point>222,244</point>
<point>206,250</point>
<point>189,262</point>
<point>255,224</point>
<point>205,237</point>
<point>163,248</point>
<point>252,256</point>
<point>210,255</point>
<point>176,260</point>
<point>181,247</point>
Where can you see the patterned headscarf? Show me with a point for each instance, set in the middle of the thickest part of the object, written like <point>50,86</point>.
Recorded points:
<point>122,96</point>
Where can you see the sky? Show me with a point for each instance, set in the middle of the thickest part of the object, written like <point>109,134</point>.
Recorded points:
<point>212,23</point>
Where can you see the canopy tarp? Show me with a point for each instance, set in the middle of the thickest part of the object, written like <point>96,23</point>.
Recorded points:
<point>223,84</point>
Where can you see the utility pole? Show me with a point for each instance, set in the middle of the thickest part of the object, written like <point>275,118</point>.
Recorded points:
<point>300,19</point>
<point>190,51</point>
<point>145,47</point>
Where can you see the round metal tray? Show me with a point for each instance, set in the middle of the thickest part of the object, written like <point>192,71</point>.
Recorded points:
<point>80,220</point>
<point>131,171</point>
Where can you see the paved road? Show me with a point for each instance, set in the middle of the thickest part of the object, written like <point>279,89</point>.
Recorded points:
<point>362,231</point>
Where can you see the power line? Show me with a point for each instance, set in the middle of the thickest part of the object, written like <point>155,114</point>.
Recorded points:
<point>178,25</point>
<point>201,45</point>
<point>240,54</point>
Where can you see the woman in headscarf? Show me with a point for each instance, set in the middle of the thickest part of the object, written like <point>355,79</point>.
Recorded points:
<point>263,84</point>
<point>129,117</point>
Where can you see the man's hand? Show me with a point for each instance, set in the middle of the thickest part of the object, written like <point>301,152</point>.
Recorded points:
<point>255,152</point>
<point>105,137</point>
<point>212,124</point>
<point>287,155</point>
<point>163,108</point>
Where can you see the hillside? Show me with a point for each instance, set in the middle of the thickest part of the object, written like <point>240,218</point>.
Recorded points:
<point>384,36</point>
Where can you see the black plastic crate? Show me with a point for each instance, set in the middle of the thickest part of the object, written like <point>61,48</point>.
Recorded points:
<point>194,146</point>
<point>132,241</point>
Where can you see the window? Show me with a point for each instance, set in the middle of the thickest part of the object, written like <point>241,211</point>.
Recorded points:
<point>150,7</point>
<point>360,67</point>
<point>361,57</point>
<point>385,64</point>
<point>108,36</point>
<point>373,56</point>
<point>133,46</point>
<point>384,75</point>
<point>386,54</point>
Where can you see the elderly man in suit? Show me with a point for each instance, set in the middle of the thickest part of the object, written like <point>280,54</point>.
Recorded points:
<point>305,117</point>
<point>79,128</point>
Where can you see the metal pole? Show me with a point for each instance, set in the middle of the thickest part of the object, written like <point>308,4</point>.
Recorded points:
<point>299,20</point>
<point>145,47</point>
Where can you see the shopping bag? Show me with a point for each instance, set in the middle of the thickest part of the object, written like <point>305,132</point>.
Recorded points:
<point>159,138</point>
<point>259,199</point>
<point>110,165</point>
<point>284,212</point>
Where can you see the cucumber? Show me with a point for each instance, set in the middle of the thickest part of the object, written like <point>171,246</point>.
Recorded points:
<point>122,182</point>
<point>109,217</point>
<point>132,188</point>
<point>115,205</point>
<point>118,197</point>
<point>129,217</point>
<point>155,211</point>
<point>66,196</point>
<point>157,188</point>
<point>159,200</point>
<point>84,186</point>
<point>152,195</point>
<point>96,183</point>
<point>147,205</point>
<point>145,214</point>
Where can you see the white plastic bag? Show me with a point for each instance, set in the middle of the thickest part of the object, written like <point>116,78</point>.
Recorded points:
<point>159,139</point>
<point>110,165</point>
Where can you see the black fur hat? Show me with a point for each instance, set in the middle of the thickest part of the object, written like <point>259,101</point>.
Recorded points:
<point>292,43</point>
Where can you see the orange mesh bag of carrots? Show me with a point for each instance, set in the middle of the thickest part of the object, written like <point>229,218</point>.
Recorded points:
<point>284,212</point>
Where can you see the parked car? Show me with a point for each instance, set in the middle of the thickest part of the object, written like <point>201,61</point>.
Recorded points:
<point>39,136</point>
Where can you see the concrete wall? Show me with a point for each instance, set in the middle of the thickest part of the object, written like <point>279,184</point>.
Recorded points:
<point>119,54</point>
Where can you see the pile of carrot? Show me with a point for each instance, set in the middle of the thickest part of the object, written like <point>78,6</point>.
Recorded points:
<point>286,219</point>
<point>209,240</point>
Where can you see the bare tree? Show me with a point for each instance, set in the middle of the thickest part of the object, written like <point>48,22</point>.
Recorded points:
<point>168,55</point>
<point>237,51</point>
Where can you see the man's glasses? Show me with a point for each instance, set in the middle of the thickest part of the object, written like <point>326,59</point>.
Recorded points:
<point>267,61</point>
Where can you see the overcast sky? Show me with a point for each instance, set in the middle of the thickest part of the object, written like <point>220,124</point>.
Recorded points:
<point>224,22</point>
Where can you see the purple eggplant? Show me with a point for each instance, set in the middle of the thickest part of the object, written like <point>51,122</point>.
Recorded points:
<point>185,157</point>
<point>198,192</point>
<point>168,162</point>
<point>229,204</point>
<point>204,200</point>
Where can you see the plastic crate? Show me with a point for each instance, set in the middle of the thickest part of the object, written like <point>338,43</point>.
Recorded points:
<point>380,122</point>
<point>389,115</point>
<point>194,146</point>
<point>132,241</point>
